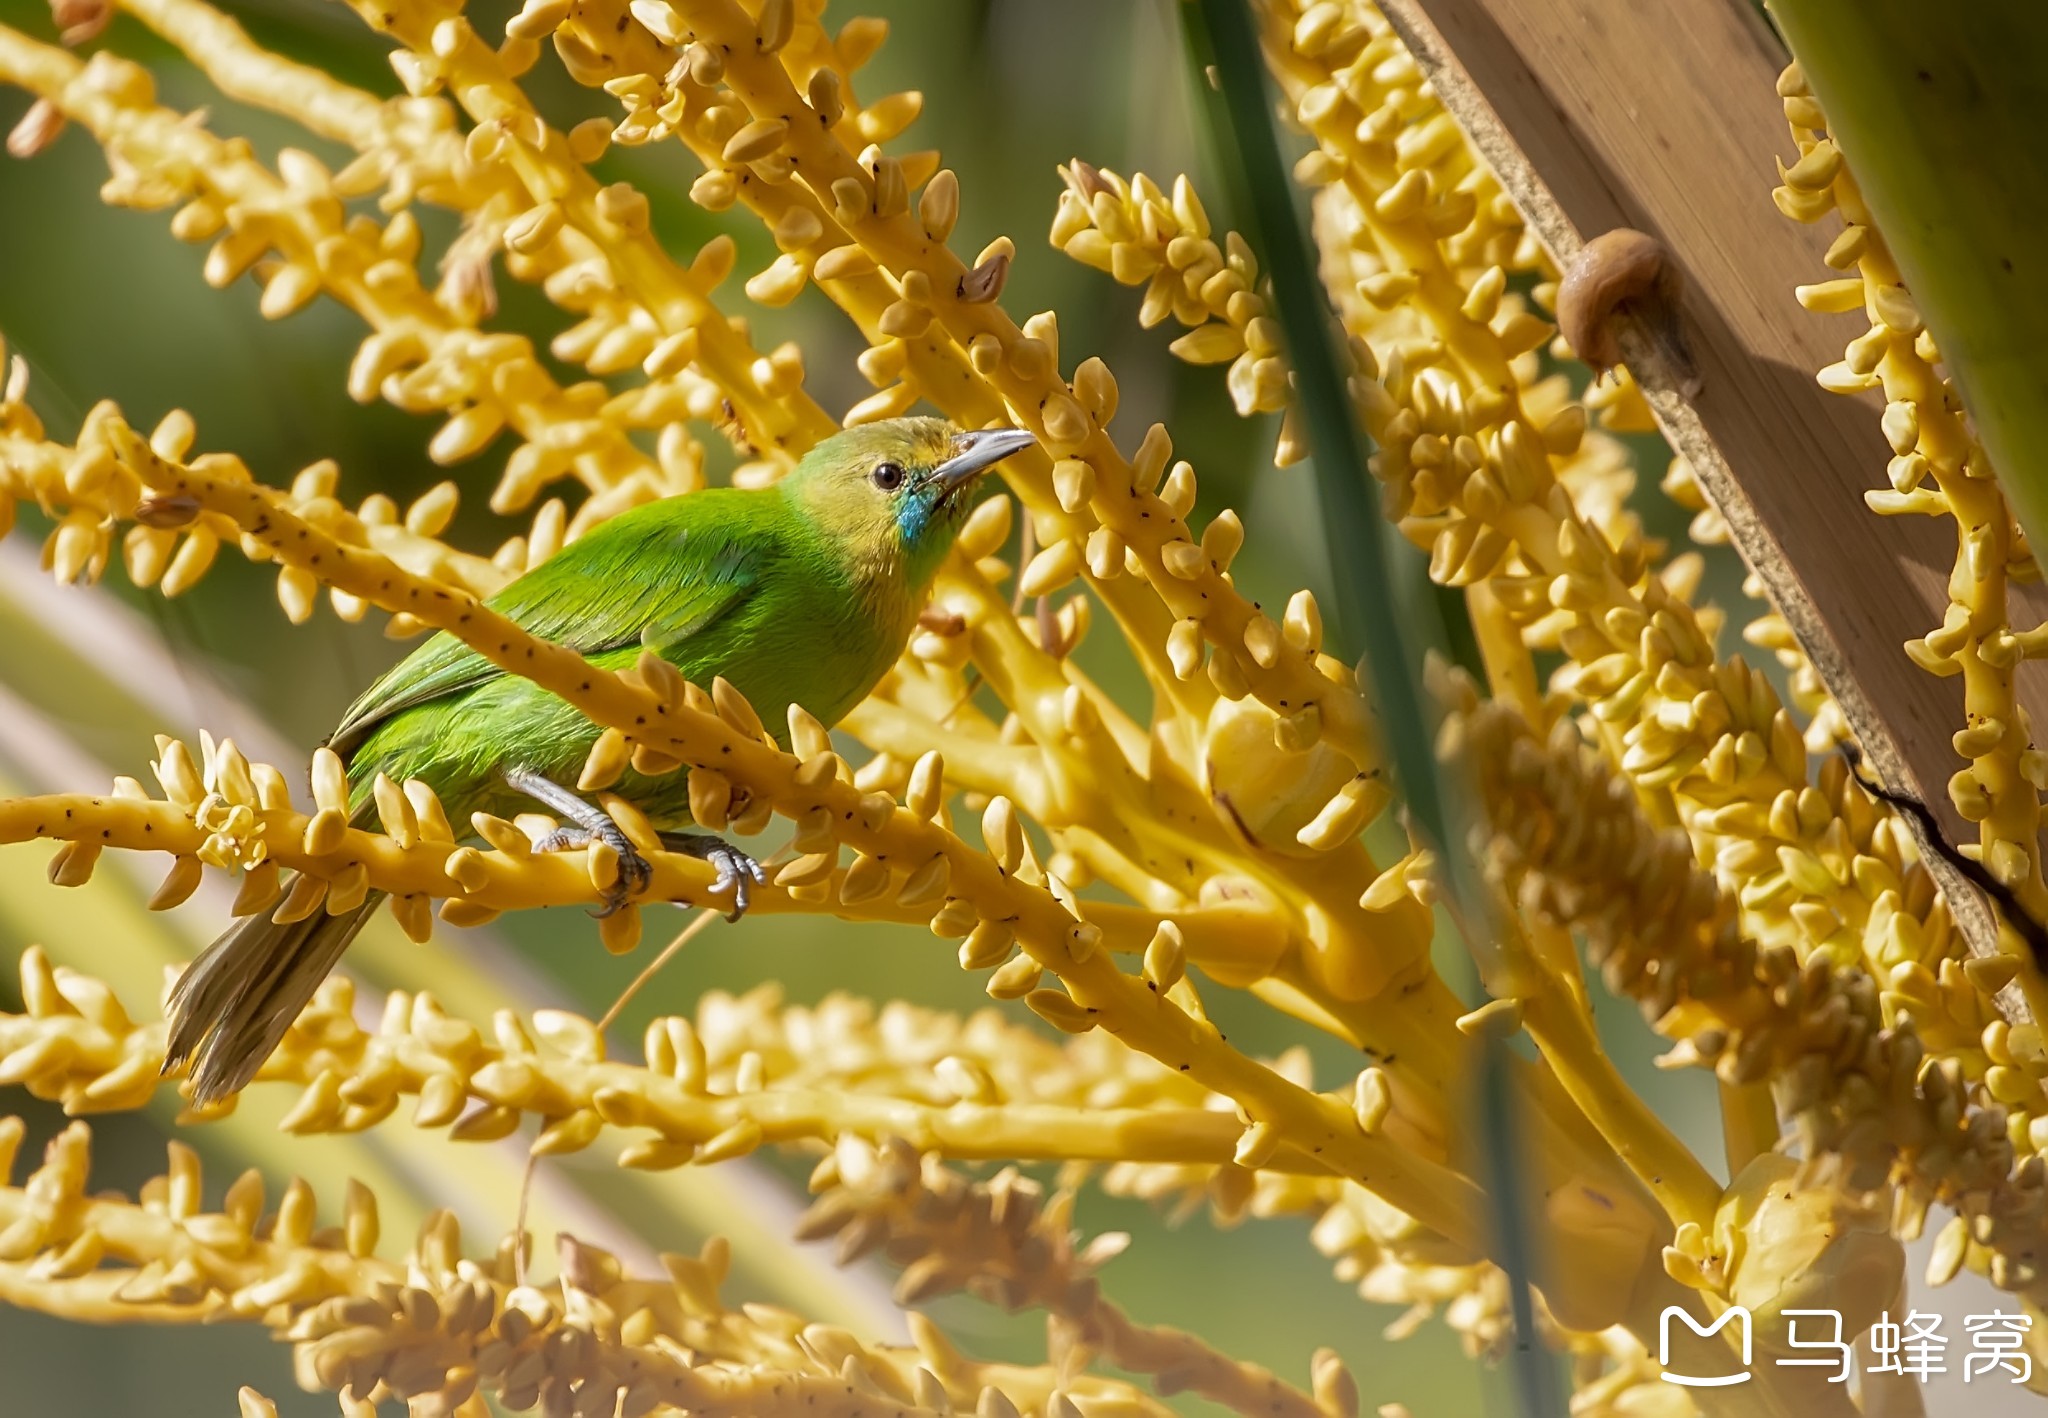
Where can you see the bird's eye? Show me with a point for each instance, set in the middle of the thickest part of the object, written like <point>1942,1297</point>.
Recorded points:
<point>887,476</point>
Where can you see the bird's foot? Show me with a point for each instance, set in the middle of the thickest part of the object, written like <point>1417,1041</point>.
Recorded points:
<point>737,872</point>
<point>565,839</point>
<point>635,872</point>
<point>586,824</point>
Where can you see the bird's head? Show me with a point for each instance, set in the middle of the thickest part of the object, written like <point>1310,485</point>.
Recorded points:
<point>897,491</point>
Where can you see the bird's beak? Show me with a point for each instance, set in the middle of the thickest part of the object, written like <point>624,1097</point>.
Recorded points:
<point>975,453</point>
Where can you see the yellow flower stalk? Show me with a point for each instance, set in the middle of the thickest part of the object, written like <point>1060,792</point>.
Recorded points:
<point>1958,1015</point>
<point>744,1073</point>
<point>441,1328</point>
<point>739,1075</point>
<point>1564,583</point>
<point>1483,485</point>
<point>1865,1108</point>
<point>1004,1241</point>
<point>169,546</point>
<point>1938,469</point>
<point>1141,846</point>
<point>422,356</point>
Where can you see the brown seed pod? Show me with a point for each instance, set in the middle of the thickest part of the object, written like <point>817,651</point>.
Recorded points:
<point>985,282</point>
<point>942,622</point>
<point>1620,275</point>
<point>163,513</point>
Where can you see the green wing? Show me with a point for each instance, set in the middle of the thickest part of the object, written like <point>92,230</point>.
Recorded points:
<point>654,576</point>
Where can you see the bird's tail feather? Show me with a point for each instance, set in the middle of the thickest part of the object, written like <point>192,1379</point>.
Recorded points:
<point>234,1003</point>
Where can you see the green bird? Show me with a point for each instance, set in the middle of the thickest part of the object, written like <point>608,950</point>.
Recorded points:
<point>804,592</point>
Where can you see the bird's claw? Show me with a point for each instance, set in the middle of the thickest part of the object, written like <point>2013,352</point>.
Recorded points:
<point>737,872</point>
<point>635,872</point>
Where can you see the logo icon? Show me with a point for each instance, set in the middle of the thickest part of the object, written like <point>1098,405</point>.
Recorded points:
<point>1734,1314</point>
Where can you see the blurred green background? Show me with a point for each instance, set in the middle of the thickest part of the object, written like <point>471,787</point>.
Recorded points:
<point>105,304</point>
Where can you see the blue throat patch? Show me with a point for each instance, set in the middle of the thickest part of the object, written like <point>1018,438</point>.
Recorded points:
<point>913,514</point>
